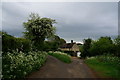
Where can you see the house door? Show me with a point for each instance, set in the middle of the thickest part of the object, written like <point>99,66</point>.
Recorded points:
<point>78,54</point>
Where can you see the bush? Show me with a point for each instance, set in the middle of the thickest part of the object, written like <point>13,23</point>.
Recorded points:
<point>23,45</point>
<point>18,65</point>
<point>61,56</point>
<point>8,42</point>
<point>111,59</point>
<point>103,45</point>
<point>117,46</point>
<point>11,43</point>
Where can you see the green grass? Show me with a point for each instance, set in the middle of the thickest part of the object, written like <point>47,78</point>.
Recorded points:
<point>62,57</point>
<point>104,69</point>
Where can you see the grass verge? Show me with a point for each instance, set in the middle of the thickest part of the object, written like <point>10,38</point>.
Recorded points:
<point>62,57</point>
<point>104,69</point>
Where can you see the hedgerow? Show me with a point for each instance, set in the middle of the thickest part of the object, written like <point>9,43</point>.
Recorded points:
<point>19,64</point>
<point>111,59</point>
<point>61,56</point>
<point>106,65</point>
<point>11,43</point>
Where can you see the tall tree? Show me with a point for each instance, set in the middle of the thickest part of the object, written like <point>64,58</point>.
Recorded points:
<point>37,29</point>
<point>62,41</point>
<point>56,42</point>
<point>104,45</point>
<point>86,47</point>
<point>117,46</point>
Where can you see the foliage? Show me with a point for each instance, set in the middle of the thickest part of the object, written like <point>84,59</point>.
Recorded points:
<point>117,45</point>
<point>11,43</point>
<point>47,46</point>
<point>53,43</point>
<point>111,59</point>
<point>18,64</point>
<point>61,56</point>
<point>24,44</point>
<point>102,46</point>
<point>0,64</point>
<point>85,48</point>
<point>7,42</point>
<point>37,29</point>
<point>105,65</point>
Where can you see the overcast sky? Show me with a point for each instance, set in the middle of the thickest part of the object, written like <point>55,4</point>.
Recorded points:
<point>75,20</point>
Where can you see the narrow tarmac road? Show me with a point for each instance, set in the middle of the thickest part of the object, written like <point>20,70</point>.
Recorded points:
<point>54,68</point>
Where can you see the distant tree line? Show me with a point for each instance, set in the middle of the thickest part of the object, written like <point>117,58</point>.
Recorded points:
<point>102,46</point>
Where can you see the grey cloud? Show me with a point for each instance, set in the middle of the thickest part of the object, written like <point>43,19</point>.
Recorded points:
<point>76,20</point>
<point>119,18</point>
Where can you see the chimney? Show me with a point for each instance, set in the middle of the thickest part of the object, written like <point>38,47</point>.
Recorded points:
<point>71,41</point>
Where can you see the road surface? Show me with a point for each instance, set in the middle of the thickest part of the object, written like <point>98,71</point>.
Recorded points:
<point>54,68</point>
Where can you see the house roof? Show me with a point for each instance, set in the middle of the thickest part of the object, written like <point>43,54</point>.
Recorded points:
<point>67,45</point>
<point>79,43</point>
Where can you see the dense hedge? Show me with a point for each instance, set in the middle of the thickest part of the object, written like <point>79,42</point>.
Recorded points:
<point>18,65</point>
<point>11,43</point>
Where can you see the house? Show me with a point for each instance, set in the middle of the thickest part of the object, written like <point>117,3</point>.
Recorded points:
<point>70,48</point>
<point>79,44</point>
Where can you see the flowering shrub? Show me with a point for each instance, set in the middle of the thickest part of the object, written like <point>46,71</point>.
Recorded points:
<point>18,65</point>
<point>109,59</point>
